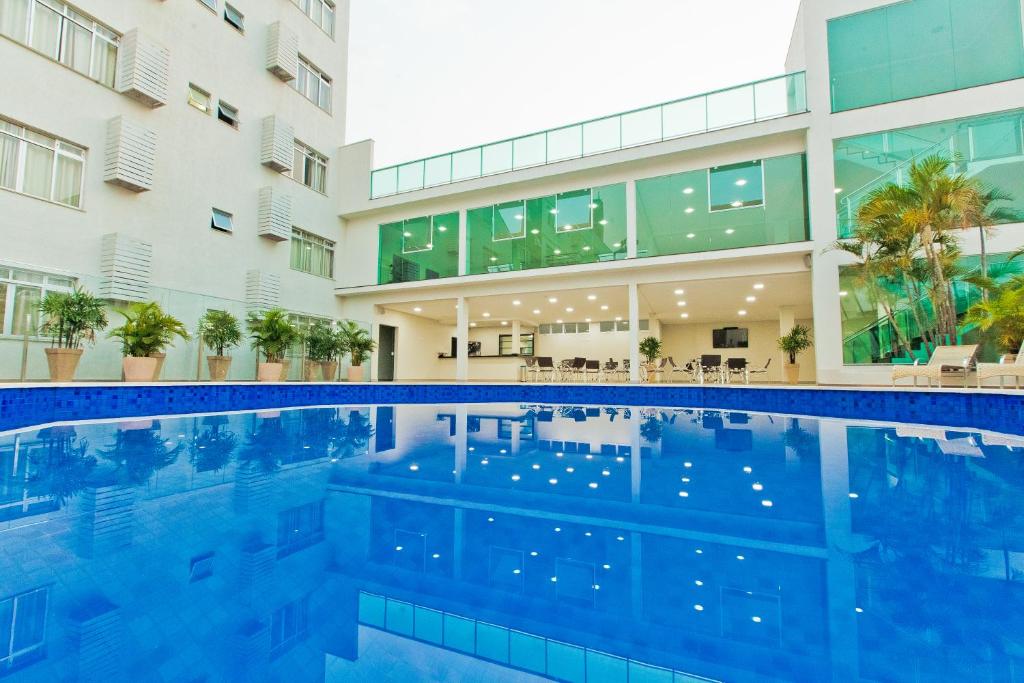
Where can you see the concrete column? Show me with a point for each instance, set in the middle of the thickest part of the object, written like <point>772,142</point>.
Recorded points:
<point>516,331</point>
<point>634,333</point>
<point>463,241</point>
<point>631,219</point>
<point>462,340</point>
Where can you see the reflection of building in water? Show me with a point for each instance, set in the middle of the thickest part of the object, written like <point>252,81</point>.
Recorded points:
<point>465,542</point>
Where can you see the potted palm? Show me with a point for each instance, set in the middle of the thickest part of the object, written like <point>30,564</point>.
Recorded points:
<point>219,330</point>
<point>146,332</point>
<point>650,349</point>
<point>71,318</point>
<point>321,345</point>
<point>272,334</point>
<point>793,344</point>
<point>330,364</point>
<point>358,344</point>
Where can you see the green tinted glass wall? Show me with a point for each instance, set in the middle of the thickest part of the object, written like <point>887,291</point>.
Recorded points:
<point>752,204</point>
<point>923,47</point>
<point>582,226</point>
<point>422,248</point>
<point>988,148</point>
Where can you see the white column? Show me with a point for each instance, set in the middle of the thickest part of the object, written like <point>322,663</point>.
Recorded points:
<point>631,219</point>
<point>515,336</point>
<point>462,340</point>
<point>463,241</point>
<point>634,332</point>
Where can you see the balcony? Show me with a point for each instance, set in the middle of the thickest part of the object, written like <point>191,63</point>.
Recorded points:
<point>736,106</point>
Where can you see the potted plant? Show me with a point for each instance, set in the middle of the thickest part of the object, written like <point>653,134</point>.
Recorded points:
<point>650,349</point>
<point>321,347</point>
<point>219,330</point>
<point>272,334</point>
<point>796,342</point>
<point>358,344</point>
<point>71,318</point>
<point>144,335</point>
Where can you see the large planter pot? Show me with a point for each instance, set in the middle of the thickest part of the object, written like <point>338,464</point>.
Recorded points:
<point>311,371</point>
<point>269,372</point>
<point>63,363</point>
<point>355,374</point>
<point>219,366</point>
<point>286,365</point>
<point>330,370</point>
<point>160,358</point>
<point>793,373</point>
<point>139,368</point>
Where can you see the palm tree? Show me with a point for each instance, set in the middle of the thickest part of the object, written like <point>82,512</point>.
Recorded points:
<point>1003,312</point>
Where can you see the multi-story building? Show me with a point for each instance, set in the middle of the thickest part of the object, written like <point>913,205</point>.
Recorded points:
<point>707,221</point>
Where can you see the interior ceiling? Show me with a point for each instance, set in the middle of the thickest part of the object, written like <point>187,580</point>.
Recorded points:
<point>706,301</point>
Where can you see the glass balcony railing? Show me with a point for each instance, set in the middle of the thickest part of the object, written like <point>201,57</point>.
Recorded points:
<point>759,101</point>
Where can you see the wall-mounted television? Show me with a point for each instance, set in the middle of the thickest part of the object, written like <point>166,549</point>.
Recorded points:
<point>730,338</point>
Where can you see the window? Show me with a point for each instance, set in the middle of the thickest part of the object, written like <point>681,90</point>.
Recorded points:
<point>321,12</point>
<point>310,168</point>
<point>199,98</point>
<point>312,254</point>
<point>234,17</point>
<point>62,34</point>
<point>227,113</point>
<point>20,294</point>
<point>299,527</point>
<point>288,626</point>
<point>23,625</point>
<point>736,186</point>
<point>222,220</point>
<point>212,4</point>
<point>525,345</point>
<point>313,85</point>
<point>36,164</point>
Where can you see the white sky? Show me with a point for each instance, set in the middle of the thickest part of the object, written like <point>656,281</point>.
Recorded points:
<point>431,76</point>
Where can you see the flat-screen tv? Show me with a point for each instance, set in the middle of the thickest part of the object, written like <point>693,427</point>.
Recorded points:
<point>730,338</point>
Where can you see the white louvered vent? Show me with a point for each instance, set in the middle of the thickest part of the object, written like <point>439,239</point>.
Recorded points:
<point>131,154</point>
<point>278,145</point>
<point>282,52</point>
<point>274,215</point>
<point>262,290</point>
<point>126,264</point>
<point>142,67</point>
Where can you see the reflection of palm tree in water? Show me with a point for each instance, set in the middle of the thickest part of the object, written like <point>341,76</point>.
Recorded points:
<point>139,453</point>
<point>64,466</point>
<point>212,449</point>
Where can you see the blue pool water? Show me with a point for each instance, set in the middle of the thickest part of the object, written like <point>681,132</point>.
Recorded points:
<point>510,542</point>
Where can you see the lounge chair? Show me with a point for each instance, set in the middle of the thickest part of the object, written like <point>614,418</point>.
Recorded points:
<point>959,359</point>
<point>1006,367</point>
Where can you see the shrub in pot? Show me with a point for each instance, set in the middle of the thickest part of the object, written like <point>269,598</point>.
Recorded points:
<point>219,330</point>
<point>146,332</point>
<point>321,348</point>
<point>272,334</point>
<point>793,344</point>
<point>71,319</point>
<point>358,344</point>
<point>650,349</point>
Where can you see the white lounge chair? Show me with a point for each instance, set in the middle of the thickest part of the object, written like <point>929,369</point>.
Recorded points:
<point>958,359</point>
<point>1006,367</point>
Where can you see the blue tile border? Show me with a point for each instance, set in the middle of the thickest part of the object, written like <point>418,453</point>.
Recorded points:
<point>31,405</point>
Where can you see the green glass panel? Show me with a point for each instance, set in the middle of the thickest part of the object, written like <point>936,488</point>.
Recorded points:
<point>410,176</point>
<point>384,182</point>
<point>429,625</point>
<point>437,171</point>
<point>565,143</point>
<point>566,662</point>
<point>371,610</point>
<point>685,118</point>
<point>423,248</point>
<point>459,633</point>
<point>641,126</point>
<point>399,617</point>
<point>675,216</point>
<point>527,652</point>
<point>643,673</point>
<point>466,164</point>
<point>529,151</point>
<point>496,158</point>
<point>730,107</point>
<point>601,135</point>
<point>984,147</point>
<point>582,226</point>
<point>923,47</point>
<point>602,668</point>
<point>492,642</point>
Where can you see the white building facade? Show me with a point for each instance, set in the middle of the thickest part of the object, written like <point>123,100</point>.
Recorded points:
<point>703,222</point>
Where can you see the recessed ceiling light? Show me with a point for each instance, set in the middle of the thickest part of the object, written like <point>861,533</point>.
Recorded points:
<point>553,300</point>
<point>737,204</point>
<point>504,322</point>
<point>442,228</point>
<point>518,216</point>
<point>741,312</point>
<point>557,252</point>
<point>535,231</point>
<point>758,285</point>
<point>679,292</point>
<point>559,321</point>
<point>751,299</point>
<point>687,190</point>
<point>536,311</point>
<point>591,297</point>
<point>487,315</point>
<point>567,226</point>
<point>472,324</point>
<point>604,307</point>
<point>586,248</point>
<point>680,303</point>
<point>569,309</point>
<point>494,258</point>
<point>616,245</point>
<point>618,318</point>
<point>741,182</point>
<point>406,234</point>
<point>554,211</point>
<point>690,236</point>
<point>689,209</point>
<point>684,315</point>
<point>839,190</point>
<point>516,302</point>
<point>593,205</point>
<point>729,231</point>
<point>417,309</point>
<point>843,293</point>
<point>603,221</point>
<point>586,320</point>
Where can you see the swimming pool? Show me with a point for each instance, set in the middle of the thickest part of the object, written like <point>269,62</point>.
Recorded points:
<point>509,541</point>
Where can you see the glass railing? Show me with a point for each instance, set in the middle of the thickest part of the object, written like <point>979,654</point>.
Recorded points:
<point>758,101</point>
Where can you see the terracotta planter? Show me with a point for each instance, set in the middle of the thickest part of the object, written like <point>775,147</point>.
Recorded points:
<point>139,369</point>
<point>219,366</point>
<point>330,370</point>
<point>269,372</point>
<point>311,371</point>
<point>63,363</point>
<point>793,373</point>
<point>286,365</point>
<point>160,358</point>
<point>355,374</point>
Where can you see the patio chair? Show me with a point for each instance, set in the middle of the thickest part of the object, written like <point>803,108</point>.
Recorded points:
<point>759,371</point>
<point>610,370</point>
<point>592,367</point>
<point>564,371</point>
<point>959,359</point>
<point>578,368</point>
<point>1008,366</point>
<point>737,366</point>
<point>710,364</point>
<point>545,366</point>
<point>674,368</point>
<point>529,367</point>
